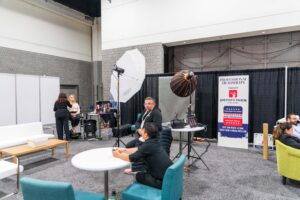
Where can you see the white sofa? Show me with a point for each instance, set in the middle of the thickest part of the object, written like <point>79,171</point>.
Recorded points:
<point>9,169</point>
<point>18,134</point>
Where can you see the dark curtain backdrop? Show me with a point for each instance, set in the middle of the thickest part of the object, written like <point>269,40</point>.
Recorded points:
<point>266,98</point>
<point>135,105</point>
<point>293,88</point>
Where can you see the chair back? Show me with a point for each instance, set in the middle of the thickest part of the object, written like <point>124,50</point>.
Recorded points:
<point>165,139</point>
<point>34,189</point>
<point>173,181</point>
<point>288,161</point>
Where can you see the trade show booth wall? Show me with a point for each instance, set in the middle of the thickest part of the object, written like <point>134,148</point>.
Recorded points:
<point>266,97</point>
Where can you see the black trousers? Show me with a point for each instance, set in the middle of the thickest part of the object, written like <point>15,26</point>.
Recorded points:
<point>148,179</point>
<point>62,125</point>
<point>74,121</point>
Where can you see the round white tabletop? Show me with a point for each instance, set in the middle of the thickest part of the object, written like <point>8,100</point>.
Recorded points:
<point>98,160</point>
<point>188,129</point>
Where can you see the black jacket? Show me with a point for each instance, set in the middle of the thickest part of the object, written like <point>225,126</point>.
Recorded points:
<point>154,117</point>
<point>61,105</point>
<point>290,140</point>
<point>156,159</point>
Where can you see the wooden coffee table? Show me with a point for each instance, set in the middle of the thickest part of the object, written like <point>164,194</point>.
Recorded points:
<point>26,149</point>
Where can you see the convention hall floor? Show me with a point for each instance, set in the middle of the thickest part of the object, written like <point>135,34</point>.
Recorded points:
<point>234,174</point>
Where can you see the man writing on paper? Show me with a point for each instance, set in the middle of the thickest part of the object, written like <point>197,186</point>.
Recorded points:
<point>156,159</point>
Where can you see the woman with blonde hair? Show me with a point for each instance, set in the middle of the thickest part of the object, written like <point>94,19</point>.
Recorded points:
<point>74,113</point>
<point>284,132</point>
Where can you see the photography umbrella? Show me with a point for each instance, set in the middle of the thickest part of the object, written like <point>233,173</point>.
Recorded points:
<point>133,63</point>
<point>183,84</point>
<point>126,80</point>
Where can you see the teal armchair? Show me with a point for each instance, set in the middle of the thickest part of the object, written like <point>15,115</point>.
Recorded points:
<point>34,189</point>
<point>133,128</point>
<point>171,188</point>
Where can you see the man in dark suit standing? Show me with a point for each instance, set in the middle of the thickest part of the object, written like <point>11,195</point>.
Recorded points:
<point>150,114</point>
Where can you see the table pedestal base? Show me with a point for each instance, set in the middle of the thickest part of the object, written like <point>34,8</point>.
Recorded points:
<point>106,184</point>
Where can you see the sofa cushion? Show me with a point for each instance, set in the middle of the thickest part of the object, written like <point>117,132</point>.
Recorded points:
<point>19,141</point>
<point>18,134</point>
<point>12,142</point>
<point>39,135</point>
<point>20,130</point>
<point>8,169</point>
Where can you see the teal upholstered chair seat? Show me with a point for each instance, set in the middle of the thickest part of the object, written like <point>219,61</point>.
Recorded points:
<point>133,128</point>
<point>34,189</point>
<point>171,188</point>
<point>139,191</point>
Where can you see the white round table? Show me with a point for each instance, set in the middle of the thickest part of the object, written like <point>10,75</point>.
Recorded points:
<point>189,130</point>
<point>100,159</point>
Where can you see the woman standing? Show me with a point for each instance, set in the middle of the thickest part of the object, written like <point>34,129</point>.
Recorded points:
<point>74,112</point>
<point>62,116</point>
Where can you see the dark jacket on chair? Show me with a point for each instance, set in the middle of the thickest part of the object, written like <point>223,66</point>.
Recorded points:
<point>290,140</point>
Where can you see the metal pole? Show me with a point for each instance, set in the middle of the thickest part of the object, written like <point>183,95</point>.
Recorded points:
<point>285,90</point>
<point>180,143</point>
<point>118,112</point>
<point>106,184</point>
<point>189,145</point>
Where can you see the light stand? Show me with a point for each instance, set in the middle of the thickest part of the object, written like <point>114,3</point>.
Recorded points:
<point>193,123</point>
<point>119,72</point>
<point>183,84</point>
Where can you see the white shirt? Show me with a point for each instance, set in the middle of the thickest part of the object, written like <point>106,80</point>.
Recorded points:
<point>296,132</point>
<point>75,110</point>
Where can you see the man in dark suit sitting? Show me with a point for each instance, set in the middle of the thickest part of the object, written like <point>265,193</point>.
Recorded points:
<point>150,114</point>
<point>155,159</point>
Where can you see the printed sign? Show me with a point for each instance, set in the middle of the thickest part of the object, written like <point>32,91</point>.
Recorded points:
<point>233,111</point>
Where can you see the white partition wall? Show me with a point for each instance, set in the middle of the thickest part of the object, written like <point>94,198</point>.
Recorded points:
<point>8,99</point>
<point>28,98</point>
<point>49,90</point>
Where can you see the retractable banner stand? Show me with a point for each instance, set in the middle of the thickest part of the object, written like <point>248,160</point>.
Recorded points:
<point>233,111</point>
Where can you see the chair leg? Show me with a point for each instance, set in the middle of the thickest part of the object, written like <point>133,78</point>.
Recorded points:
<point>18,176</point>
<point>283,180</point>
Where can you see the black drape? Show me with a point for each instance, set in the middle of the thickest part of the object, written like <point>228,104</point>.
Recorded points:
<point>266,98</point>
<point>135,105</point>
<point>206,102</point>
<point>293,94</point>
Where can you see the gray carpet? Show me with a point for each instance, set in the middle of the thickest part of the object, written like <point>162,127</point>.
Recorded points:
<point>234,174</point>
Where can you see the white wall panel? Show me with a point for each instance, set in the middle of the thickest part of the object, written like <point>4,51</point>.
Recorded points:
<point>8,99</point>
<point>28,98</point>
<point>31,28</point>
<point>49,88</point>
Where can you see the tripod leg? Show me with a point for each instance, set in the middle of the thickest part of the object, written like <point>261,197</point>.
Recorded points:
<point>189,145</point>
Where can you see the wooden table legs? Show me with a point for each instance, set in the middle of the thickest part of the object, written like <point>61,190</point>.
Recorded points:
<point>67,150</point>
